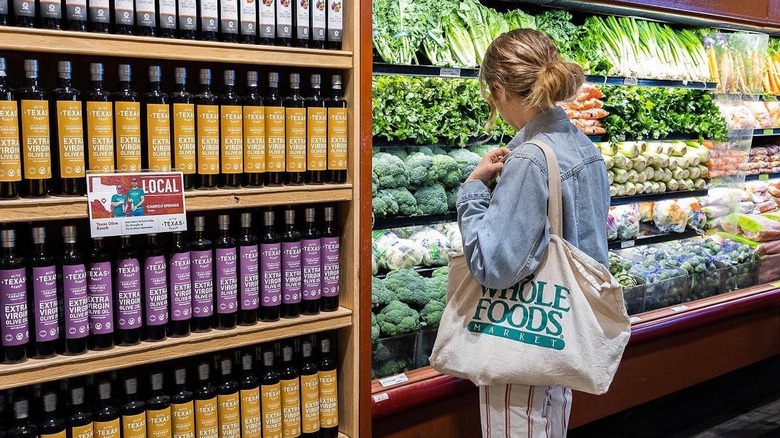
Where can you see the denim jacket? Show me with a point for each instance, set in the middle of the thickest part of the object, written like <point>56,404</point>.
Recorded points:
<point>505,234</point>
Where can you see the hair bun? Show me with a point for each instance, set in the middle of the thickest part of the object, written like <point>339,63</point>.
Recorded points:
<point>557,81</point>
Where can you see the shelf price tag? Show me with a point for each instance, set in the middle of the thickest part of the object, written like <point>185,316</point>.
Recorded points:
<point>135,203</point>
<point>763,177</point>
<point>679,308</point>
<point>634,319</point>
<point>768,131</point>
<point>382,396</point>
<point>449,72</point>
<point>393,380</point>
<point>630,81</point>
<point>627,244</point>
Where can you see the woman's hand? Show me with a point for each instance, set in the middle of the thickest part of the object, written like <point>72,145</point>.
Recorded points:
<point>490,167</point>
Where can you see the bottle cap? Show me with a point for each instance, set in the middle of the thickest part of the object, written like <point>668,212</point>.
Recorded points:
<point>157,381</point>
<point>268,217</point>
<point>8,238</point>
<point>131,385</point>
<point>205,76</point>
<point>273,80</point>
<point>77,395</point>
<point>310,213</point>
<point>336,81</point>
<point>39,235</point>
<point>203,371</point>
<point>316,81</point>
<point>125,72</point>
<point>2,66</point>
<point>180,375</point>
<point>69,234</point>
<point>31,68</point>
<point>287,353</point>
<point>251,78</point>
<point>246,220</point>
<point>230,77</point>
<point>181,75</point>
<point>96,71</point>
<point>104,390</point>
<point>295,81</point>
<point>306,348</point>
<point>151,237</point>
<point>329,213</point>
<point>22,408</point>
<point>155,73</point>
<point>199,223</point>
<point>226,366</point>
<point>325,345</point>
<point>268,358</point>
<point>65,69</point>
<point>246,362</point>
<point>289,217</point>
<point>224,222</point>
<point>50,402</point>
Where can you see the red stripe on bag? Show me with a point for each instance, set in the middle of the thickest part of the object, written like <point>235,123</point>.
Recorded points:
<point>529,410</point>
<point>508,426</point>
<point>563,413</point>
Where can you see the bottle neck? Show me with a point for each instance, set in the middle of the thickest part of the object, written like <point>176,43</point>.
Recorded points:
<point>295,92</point>
<point>96,84</point>
<point>8,252</point>
<point>124,85</point>
<point>31,82</point>
<point>65,82</point>
<point>181,88</point>
<point>154,86</point>
<point>273,91</point>
<point>3,80</point>
<point>205,88</point>
<point>252,89</point>
<point>337,93</point>
<point>229,89</point>
<point>316,92</point>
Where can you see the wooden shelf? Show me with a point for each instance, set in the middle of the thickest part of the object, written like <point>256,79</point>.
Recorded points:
<point>127,46</point>
<point>60,367</point>
<point>59,208</point>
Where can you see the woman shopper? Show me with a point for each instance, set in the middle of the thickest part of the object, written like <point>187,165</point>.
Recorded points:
<point>506,232</point>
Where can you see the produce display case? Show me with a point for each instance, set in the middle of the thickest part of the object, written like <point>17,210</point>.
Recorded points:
<point>683,321</point>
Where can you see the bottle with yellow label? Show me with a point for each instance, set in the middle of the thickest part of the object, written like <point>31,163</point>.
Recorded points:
<point>68,134</point>
<point>206,419</point>
<point>329,397</point>
<point>51,425</point>
<point>271,398</point>
<point>232,133</point>
<point>254,133</point>
<point>228,401</point>
<point>36,138</point>
<point>99,116</point>
<point>182,406</point>
<point>158,409</point>
<point>156,125</point>
<point>10,155</point>
<point>317,133</point>
<point>251,422</point>
<point>310,392</point>
<point>295,126</point>
<point>207,123</point>
<point>275,134</point>
<point>105,417</point>
<point>291,394</point>
<point>133,410</point>
<point>80,418</point>
<point>127,119</point>
<point>183,126</point>
<point>338,133</point>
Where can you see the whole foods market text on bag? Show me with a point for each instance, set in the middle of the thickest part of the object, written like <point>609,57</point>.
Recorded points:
<point>564,325</point>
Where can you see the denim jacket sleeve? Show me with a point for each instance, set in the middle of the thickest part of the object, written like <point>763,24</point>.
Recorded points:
<point>505,236</point>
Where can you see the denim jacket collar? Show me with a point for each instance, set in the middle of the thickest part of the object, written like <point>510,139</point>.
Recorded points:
<point>540,123</point>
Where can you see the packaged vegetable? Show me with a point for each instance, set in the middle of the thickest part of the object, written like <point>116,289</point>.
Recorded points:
<point>403,254</point>
<point>436,247</point>
<point>753,226</point>
<point>671,216</point>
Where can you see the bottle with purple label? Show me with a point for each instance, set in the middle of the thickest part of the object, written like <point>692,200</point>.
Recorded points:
<point>155,290</point>
<point>100,296</point>
<point>329,241</point>
<point>180,282</point>
<point>249,269</point>
<point>75,304</point>
<point>46,313</point>
<point>270,270</point>
<point>311,264</point>
<point>14,323</point>
<point>202,268</point>
<point>127,294</point>
<point>291,267</point>
<point>226,261</point>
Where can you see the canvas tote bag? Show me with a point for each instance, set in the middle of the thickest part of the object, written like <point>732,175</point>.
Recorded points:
<point>565,325</point>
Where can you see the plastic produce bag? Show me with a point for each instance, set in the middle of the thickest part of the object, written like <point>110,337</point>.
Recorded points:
<point>761,114</point>
<point>752,226</point>
<point>671,216</point>
<point>403,254</point>
<point>435,246</point>
<point>383,239</point>
<point>626,221</point>
<point>646,211</point>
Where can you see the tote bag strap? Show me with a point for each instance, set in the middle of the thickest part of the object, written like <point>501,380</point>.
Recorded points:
<point>555,199</point>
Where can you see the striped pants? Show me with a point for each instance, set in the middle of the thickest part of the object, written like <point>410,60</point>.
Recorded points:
<point>520,411</point>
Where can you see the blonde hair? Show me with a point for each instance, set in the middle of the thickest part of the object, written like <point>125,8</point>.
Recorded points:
<point>528,65</point>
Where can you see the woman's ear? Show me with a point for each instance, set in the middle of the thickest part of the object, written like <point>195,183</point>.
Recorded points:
<point>498,91</point>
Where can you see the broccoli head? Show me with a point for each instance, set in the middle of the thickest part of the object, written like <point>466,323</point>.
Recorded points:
<point>390,171</point>
<point>384,205</point>
<point>374,184</point>
<point>389,368</point>
<point>397,319</point>
<point>409,286</point>
<point>467,161</point>
<point>437,288</point>
<point>419,167</point>
<point>398,152</point>
<point>431,199</point>
<point>407,205</point>
<point>452,199</point>
<point>374,328</point>
<point>444,271</point>
<point>381,296</point>
<point>446,170</point>
<point>431,314</point>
